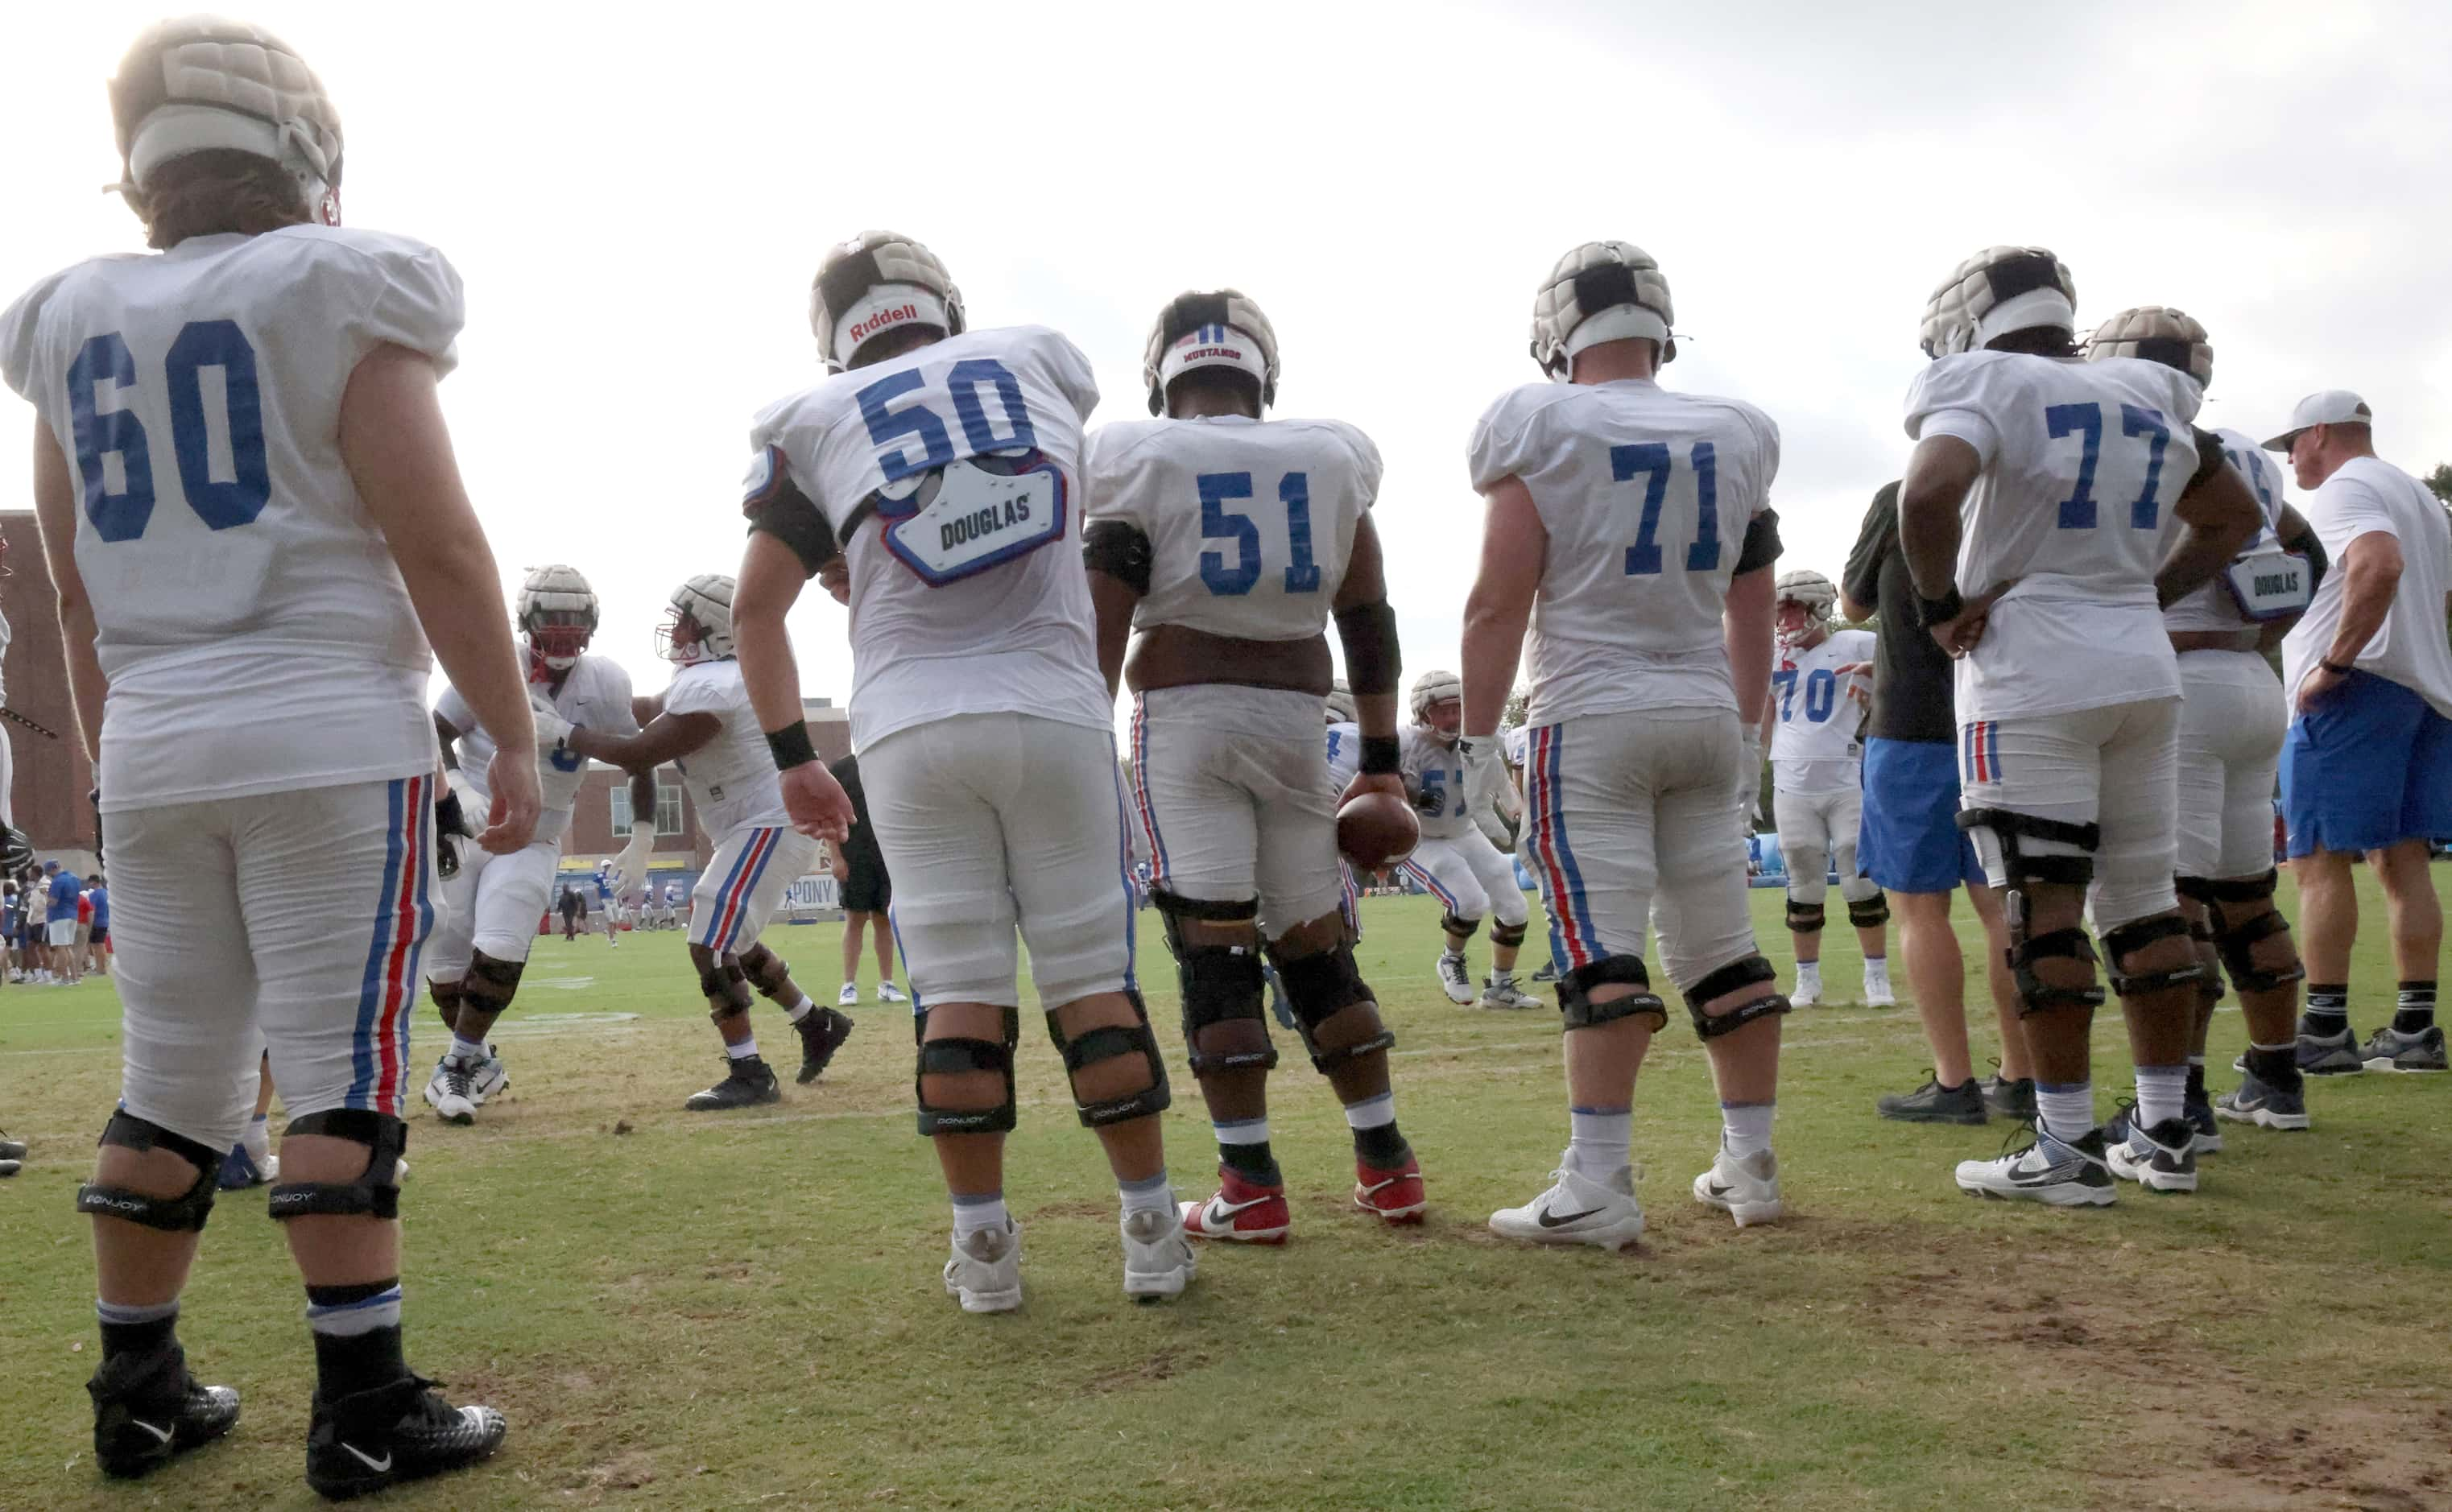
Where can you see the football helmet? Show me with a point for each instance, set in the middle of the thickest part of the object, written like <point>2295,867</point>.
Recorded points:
<point>1602,291</point>
<point>874,283</point>
<point>1814,591</point>
<point>1223,328</point>
<point>704,604</point>
<point>200,82</point>
<point>1998,291</point>
<point>1340,703</point>
<point>1430,688</point>
<point>556,614</point>
<point>2158,333</point>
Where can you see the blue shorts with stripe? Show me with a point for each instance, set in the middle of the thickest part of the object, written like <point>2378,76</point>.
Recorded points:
<point>2370,767</point>
<point>1908,839</point>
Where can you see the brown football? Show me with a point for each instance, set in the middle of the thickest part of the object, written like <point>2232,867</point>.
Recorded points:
<point>1375,830</point>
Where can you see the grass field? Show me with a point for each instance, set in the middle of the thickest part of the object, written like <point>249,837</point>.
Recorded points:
<point>685,1310</point>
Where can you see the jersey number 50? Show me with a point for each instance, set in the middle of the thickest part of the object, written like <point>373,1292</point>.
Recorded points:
<point>226,485</point>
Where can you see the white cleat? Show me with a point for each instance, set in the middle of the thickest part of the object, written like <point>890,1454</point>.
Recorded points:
<point>849,996</point>
<point>1746,1189</point>
<point>1159,1261</point>
<point>1456,980</point>
<point>985,1272</point>
<point>1877,990</point>
<point>1576,1210</point>
<point>451,1092</point>
<point>1500,990</point>
<point>1807,991</point>
<point>488,1078</point>
<point>888,992</point>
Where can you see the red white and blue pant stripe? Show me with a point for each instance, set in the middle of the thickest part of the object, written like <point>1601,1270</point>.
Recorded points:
<point>404,914</point>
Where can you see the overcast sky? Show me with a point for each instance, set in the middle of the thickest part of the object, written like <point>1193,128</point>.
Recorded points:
<point>639,196</point>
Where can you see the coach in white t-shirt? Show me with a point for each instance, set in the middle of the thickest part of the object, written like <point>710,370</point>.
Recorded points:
<point>2368,763</point>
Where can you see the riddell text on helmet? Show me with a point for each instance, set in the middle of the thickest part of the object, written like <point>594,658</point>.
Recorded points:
<point>882,318</point>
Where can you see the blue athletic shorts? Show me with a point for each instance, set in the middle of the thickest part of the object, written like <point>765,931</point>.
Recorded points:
<point>2371,766</point>
<point>1909,840</point>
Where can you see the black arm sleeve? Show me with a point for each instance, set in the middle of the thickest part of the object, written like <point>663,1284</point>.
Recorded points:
<point>2209,456</point>
<point>787,514</point>
<point>1761,542</point>
<point>1120,550</point>
<point>1862,578</point>
<point>1373,659</point>
<point>2305,544</point>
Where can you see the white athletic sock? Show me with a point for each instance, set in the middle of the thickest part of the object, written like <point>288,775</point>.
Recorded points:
<point>1877,968</point>
<point>973,1213</point>
<point>1371,1112</point>
<point>471,1050</point>
<point>2066,1110</point>
<point>2161,1093</point>
<point>1242,1132</point>
<point>801,1009</point>
<point>1154,1195</point>
<point>743,1051</point>
<point>1600,1140</point>
<point>1745,1128</point>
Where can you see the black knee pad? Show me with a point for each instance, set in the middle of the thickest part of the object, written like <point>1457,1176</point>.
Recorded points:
<point>184,1213</point>
<point>2125,941</point>
<point>2237,944</point>
<point>1753,972</point>
<point>490,984</point>
<point>952,1055</point>
<point>1510,935</point>
<point>1574,989</point>
<point>1223,984</point>
<point>1105,1043</point>
<point>1461,929</point>
<point>445,998</point>
<point>1804,918</point>
<point>766,970</point>
<point>1870,912</point>
<point>2009,827</point>
<point>374,1194</point>
<point>2195,889</point>
<point>2035,995</point>
<point>720,976</point>
<point>1319,988</point>
<point>1174,907</point>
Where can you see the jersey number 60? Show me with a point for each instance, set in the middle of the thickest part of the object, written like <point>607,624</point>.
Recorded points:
<point>226,486</point>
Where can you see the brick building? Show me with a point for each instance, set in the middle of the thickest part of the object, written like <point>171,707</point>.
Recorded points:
<point>48,797</point>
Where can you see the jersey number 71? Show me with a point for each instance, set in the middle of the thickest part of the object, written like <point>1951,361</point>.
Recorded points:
<point>1652,461</point>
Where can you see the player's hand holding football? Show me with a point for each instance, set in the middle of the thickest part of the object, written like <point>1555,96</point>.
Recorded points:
<point>817,802</point>
<point>511,822</point>
<point>1388,782</point>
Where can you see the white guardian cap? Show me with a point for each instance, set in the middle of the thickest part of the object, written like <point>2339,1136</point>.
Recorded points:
<point>1430,688</point>
<point>1340,703</point>
<point>1225,328</point>
<point>1998,291</point>
<point>697,620</point>
<point>201,83</point>
<point>2158,333</point>
<point>1813,591</point>
<point>1602,291</point>
<point>877,282</point>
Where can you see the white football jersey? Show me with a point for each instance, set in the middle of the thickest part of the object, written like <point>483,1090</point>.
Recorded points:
<point>1647,495</point>
<point>1250,522</point>
<point>1814,745</point>
<point>1344,756</point>
<point>967,590</point>
<point>2082,463</point>
<point>2210,606</point>
<point>251,623</point>
<point>732,779</point>
<point>1433,776</point>
<point>595,695</point>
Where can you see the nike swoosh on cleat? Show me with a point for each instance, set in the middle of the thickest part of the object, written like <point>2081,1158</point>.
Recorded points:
<point>1716,1189</point>
<point>161,1434</point>
<point>378,1466</point>
<point>1219,1208</point>
<point>1554,1220</point>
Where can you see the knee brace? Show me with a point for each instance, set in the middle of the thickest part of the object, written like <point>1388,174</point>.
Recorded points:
<point>2009,827</point>
<point>1105,1043</point>
<point>944,1056</point>
<point>490,984</point>
<point>2237,942</point>
<point>374,1194</point>
<point>1321,986</point>
<point>2124,943</point>
<point>1753,972</point>
<point>1461,929</point>
<point>1575,1003</point>
<point>184,1213</point>
<point>1804,918</point>
<point>721,977</point>
<point>1510,935</point>
<point>446,1001</point>
<point>1222,983</point>
<point>1870,913</point>
<point>766,970</point>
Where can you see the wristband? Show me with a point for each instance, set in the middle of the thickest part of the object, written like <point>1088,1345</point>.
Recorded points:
<point>1380,755</point>
<point>2337,669</point>
<point>1930,612</point>
<point>449,819</point>
<point>791,745</point>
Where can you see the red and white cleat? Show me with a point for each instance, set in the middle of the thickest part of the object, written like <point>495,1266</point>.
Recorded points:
<point>1241,1210</point>
<point>1393,1196</point>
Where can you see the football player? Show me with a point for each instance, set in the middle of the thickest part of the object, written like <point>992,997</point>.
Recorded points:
<point>491,904</point>
<point>933,479</point>
<point>1468,875</point>
<point>703,725</point>
<point>2032,517</point>
<point>249,507</point>
<point>1816,714</point>
<point>1631,526</point>
<point>1230,675</point>
<point>2232,718</point>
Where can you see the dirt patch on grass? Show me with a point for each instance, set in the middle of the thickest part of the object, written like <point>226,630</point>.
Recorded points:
<point>1163,1365</point>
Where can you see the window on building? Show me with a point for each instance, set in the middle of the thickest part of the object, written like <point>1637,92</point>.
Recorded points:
<point>668,808</point>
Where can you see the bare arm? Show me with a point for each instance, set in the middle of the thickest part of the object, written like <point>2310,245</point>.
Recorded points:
<point>2295,534</point>
<point>1940,471</point>
<point>1514,545</point>
<point>55,507</point>
<point>1746,630</point>
<point>1112,600</point>
<point>398,451</point>
<point>769,584</point>
<point>2371,568</point>
<point>666,737</point>
<point>2222,518</point>
<point>1366,582</point>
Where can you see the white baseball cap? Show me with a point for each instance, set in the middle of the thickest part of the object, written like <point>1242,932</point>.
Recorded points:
<point>2331,406</point>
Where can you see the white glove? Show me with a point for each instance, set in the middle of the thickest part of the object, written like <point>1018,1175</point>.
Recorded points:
<point>630,867</point>
<point>551,728</point>
<point>1749,780</point>
<point>1486,788</point>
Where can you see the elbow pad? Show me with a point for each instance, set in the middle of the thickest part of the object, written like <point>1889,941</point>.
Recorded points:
<point>776,505</point>
<point>1119,549</point>
<point>1372,660</point>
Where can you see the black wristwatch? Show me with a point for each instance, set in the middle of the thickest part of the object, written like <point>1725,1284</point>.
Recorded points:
<point>1930,612</point>
<point>2337,669</point>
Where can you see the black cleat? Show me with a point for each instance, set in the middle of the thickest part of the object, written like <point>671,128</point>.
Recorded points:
<point>2389,1050</point>
<point>2325,1055</point>
<point>2261,1103</point>
<point>1932,1103</point>
<point>404,1431</point>
<point>2009,1099</point>
<point>822,1033</point>
<point>12,1149</point>
<point>148,1408</point>
<point>1548,971</point>
<point>752,1082</point>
